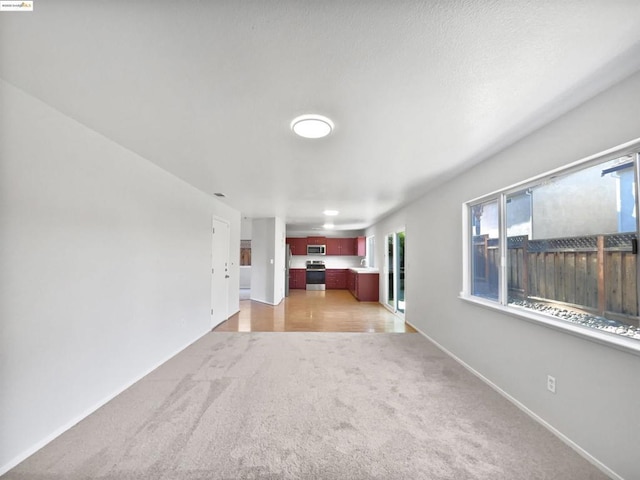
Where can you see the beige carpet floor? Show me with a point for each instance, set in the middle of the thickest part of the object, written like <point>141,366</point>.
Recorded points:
<point>307,406</point>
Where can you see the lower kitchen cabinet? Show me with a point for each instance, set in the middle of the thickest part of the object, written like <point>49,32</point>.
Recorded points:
<point>297,278</point>
<point>336,279</point>
<point>363,286</point>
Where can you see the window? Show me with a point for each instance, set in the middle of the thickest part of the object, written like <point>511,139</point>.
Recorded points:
<point>561,246</point>
<point>370,252</point>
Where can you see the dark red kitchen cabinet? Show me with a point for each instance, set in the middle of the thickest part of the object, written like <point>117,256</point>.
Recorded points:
<point>297,278</point>
<point>347,246</point>
<point>367,287</point>
<point>336,279</point>
<point>333,246</point>
<point>351,282</point>
<point>298,245</point>
<point>316,241</point>
<point>361,246</point>
<point>364,286</point>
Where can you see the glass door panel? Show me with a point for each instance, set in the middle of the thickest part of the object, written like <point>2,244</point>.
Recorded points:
<point>400,271</point>
<point>390,272</point>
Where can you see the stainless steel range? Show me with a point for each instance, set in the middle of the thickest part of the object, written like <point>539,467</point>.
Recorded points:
<point>315,275</point>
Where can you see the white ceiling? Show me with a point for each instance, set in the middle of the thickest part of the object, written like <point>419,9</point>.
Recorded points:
<point>418,90</point>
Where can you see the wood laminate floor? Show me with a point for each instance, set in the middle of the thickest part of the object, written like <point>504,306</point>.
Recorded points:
<point>320,311</point>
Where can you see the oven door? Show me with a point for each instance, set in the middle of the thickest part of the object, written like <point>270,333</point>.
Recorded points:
<point>315,279</point>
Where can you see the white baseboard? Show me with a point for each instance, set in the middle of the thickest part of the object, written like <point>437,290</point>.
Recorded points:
<point>582,452</point>
<point>59,431</point>
<point>260,300</point>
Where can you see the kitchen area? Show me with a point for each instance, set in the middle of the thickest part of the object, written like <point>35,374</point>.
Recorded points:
<point>331,263</point>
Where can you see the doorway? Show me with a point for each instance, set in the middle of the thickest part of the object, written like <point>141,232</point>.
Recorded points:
<point>219,271</point>
<point>394,272</point>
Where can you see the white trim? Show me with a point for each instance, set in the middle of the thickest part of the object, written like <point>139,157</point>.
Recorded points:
<point>77,419</point>
<point>466,266</point>
<point>628,345</point>
<point>266,302</point>
<point>577,448</point>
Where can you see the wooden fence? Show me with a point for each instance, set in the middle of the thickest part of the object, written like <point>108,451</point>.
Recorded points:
<point>595,272</point>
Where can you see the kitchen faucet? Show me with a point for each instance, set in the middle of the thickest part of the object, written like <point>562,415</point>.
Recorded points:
<point>363,262</point>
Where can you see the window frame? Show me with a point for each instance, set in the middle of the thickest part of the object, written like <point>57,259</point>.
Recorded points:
<point>599,336</point>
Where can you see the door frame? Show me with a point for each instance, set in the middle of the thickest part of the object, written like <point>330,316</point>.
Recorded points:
<point>396,270</point>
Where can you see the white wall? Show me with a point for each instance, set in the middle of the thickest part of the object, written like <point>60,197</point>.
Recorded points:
<point>245,276</point>
<point>246,228</point>
<point>279,260</point>
<point>598,387</point>
<point>267,260</point>
<point>105,267</point>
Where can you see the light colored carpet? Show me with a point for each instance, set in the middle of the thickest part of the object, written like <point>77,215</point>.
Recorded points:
<point>308,406</point>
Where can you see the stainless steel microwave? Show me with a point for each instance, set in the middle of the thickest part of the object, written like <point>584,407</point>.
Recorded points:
<point>316,250</point>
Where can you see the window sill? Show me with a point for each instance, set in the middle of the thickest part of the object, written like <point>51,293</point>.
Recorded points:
<point>625,344</point>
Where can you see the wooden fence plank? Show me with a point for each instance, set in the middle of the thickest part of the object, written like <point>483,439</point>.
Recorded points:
<point>629,284</point>
<point>542,291</point>
<point>559,279</point>
<point>581,278</point>
<point>600,276</point>
<point>549,277</point>
<point>570,277</point>
<point>614,282</point>
<point>592,284</point>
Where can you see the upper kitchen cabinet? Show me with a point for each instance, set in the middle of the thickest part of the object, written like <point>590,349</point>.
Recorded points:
<point>341,246</point>
<point>298,246</point>
<point>316,241</point>
<point>333,246</point>
<point>347,246</point>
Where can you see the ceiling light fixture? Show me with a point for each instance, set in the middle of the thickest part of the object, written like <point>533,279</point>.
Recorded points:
<point>331,213</point>
<point>329,226</point>
<point>312,126</point>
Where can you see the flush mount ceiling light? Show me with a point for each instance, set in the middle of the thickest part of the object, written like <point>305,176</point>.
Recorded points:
<point>328,226</point>
<point>331,213</point>
<point>312,126</point>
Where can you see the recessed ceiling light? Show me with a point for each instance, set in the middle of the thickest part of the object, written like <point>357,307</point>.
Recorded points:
<point>329,226</point>
<point>331,213</point>
<point>312,126</point>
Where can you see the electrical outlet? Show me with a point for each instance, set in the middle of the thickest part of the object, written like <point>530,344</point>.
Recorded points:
<point>551,384</point>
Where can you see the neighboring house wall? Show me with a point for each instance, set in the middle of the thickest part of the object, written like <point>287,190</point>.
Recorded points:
<point>105,267</point>
<point>582,204</point>
<point>597,385</point>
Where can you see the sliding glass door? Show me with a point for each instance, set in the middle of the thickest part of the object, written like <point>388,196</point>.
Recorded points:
<point>394,271</point>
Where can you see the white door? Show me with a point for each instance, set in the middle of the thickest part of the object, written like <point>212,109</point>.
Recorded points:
<point>220,272</point>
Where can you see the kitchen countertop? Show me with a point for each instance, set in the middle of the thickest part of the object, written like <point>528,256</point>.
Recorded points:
<point>364,270</point>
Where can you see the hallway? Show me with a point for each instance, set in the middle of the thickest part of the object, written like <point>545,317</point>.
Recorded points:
<point>315,311</point>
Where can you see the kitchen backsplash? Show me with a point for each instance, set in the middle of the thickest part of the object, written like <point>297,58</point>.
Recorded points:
<point>330,261</point>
